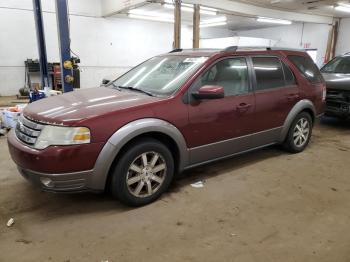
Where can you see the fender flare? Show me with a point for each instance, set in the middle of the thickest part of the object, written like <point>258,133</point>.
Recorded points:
<point>298,107</point>
<point>125,134</point>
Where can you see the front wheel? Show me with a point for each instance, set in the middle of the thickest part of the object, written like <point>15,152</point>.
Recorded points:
<point>299,133</point>
<point>142,173</point>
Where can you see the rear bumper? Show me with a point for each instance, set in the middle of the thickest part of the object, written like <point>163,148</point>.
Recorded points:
<point>59,183</point>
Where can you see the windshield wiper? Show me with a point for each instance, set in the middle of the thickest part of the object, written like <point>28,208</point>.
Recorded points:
<point>134,89</point>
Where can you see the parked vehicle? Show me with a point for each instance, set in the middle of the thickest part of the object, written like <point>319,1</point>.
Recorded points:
<point>171,113</point>
<point>337,75</point>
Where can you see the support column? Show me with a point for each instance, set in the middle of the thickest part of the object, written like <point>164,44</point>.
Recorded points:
<point>64,44</point>
<point>335,38</point>
<point>40,35</point>
<point>177,24</point>
<point>332,41</point>
<point>196,23</point>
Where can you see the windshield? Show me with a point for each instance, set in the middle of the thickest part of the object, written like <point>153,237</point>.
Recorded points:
<point>339,65</point>
<point>162,75</point>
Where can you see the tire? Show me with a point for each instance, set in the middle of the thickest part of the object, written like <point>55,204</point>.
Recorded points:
<point>148,166</point>
<point>296,143</point>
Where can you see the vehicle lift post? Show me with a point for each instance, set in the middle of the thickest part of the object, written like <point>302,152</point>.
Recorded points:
<point>40,35</point>
<point>64,44</point>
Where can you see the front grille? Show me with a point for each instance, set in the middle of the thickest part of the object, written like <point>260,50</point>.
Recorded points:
<point>338,95</point>
<point>27,130</point>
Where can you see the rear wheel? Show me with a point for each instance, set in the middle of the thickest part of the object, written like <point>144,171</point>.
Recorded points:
<point>143,173</point>
<point>299,133</point>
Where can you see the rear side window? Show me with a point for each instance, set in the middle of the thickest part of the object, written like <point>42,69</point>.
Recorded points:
<point>268,72</point>
<point>307,68</point>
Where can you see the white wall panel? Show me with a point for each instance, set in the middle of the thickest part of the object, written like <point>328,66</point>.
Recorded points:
<point>106,46</point>
<point>294,36</point>
<point>78,7</point>
<point>343,45</point>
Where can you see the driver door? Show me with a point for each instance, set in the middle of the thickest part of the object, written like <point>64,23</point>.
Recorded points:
<point>217,126</point>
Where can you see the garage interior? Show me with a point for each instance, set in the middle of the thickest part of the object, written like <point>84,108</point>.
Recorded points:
<point>266,205</point>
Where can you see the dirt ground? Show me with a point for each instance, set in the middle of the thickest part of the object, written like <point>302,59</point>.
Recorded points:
<point>263,206</point>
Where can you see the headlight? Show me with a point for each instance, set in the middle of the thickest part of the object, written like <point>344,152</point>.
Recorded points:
<point>59,135</point>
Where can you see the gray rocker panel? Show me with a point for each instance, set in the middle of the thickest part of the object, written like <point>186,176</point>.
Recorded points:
<point>221,149</point>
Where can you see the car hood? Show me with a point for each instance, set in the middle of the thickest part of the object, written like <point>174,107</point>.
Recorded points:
<point>337,81</point>
<point>75,106</point>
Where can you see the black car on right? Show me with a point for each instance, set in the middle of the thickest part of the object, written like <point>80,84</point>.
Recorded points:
<point>337,75</point>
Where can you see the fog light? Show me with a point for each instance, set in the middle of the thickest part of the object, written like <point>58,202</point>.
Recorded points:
<point>47,182</point>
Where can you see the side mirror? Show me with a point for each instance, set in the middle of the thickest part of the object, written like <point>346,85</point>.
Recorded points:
<point>105,81</point>
<point>209,92</point>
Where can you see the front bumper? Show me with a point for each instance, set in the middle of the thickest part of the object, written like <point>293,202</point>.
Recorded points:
<point>337,108</point>
<point>57,168</point>
<point>64,183</point>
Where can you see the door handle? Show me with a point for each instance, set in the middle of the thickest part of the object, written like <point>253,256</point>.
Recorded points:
<point>243,107</point>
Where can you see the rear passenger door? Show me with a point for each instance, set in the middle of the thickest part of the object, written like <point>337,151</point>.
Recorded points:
<point>276,92</point>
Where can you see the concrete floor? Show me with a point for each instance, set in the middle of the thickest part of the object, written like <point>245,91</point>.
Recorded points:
<point>6,101</point>
<point>264,206</point>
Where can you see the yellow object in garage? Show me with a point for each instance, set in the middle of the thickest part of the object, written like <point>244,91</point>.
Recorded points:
<point>68,65</point>
<point>69,79</point>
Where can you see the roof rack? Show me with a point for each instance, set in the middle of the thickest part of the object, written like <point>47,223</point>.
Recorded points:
<point>176,50</point>
<point>235,48</point>
<point>268,48</point>
<point>232,48</point>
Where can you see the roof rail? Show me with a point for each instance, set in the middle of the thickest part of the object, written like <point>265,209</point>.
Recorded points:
<point>235,48</point>
<point>268,48</point>
<point>286,49</point>
<point>232,48</point>
<point>176,50</point>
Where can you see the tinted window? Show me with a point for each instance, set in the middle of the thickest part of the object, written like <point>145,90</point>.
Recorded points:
<point>307,68</point>
<point>231,74</point>
<point>269,72</point>
<point>339,65</point>
<point>288,74</point>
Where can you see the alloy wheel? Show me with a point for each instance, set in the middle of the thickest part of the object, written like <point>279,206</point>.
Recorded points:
<point>146,174</point>
<point>301,132</point>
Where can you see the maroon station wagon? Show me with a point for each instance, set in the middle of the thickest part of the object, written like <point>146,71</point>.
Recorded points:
<point>171,113</point>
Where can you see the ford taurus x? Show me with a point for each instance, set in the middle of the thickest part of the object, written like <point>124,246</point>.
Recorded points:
<point>173,112</point>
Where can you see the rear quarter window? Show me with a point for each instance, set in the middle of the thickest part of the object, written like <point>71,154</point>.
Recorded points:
<point>288,74</point>
<point>307,68</point>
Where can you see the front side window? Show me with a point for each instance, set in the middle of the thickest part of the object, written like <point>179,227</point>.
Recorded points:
<point>307,68</point>
<point>339,65</point>
<point>230,73</point>
<point>268,72</point>
<point>162,75</point>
